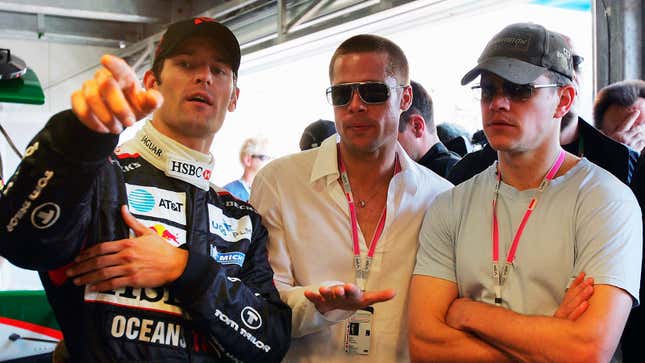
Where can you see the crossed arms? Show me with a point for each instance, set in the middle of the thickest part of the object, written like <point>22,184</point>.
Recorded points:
<point>585,328</point>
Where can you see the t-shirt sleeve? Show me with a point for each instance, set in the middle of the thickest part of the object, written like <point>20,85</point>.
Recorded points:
<point>609,238</point>
<point>436,254</point>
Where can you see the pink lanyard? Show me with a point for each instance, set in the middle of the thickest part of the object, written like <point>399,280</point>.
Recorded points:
<point>500,278</point>
<point>362,272</point>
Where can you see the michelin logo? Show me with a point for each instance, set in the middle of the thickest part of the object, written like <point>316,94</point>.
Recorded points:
<point>230,258</point>
<point>230,229</point>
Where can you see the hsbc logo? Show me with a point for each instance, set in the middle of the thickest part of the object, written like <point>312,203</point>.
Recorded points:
<point>178,166</point>
<point>195,173</point>
<point>251,318</point>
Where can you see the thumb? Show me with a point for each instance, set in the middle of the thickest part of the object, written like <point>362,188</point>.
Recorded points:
<point>138,228</point>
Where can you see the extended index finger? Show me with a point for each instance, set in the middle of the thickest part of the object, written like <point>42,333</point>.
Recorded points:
<point>121,71</point>
<point>127,80</point>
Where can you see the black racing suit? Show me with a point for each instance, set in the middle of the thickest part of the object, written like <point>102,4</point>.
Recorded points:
<point>66,195</point>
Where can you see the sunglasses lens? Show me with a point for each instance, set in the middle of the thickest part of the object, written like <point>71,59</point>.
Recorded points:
<point>339,95</point>
<point>485,92</point>
<point>261,157</point>
<point>374,92</point>
<point>517,92</point>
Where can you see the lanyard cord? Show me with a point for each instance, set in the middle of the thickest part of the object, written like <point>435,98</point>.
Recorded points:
<point>362,270</point>
<point>500,276</point>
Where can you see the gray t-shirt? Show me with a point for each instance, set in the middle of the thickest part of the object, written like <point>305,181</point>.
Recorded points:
<point>585,220</point>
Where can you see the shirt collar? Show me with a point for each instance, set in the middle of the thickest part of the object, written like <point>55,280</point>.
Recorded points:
<point>173,158</point>
<point>326,165</point>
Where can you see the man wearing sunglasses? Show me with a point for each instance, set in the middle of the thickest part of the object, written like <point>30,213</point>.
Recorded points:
<point>501,267</point>
<point>344,218</point>
<point>577,136</point>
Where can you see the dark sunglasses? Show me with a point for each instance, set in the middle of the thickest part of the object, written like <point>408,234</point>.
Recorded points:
<point>369,92</point>
<point>261,157</point>
<point>515,92</point>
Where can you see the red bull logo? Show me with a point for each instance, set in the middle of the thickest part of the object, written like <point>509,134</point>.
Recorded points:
<point>165,234</point>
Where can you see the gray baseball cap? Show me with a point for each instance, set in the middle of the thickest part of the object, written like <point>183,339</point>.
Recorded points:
<point>522,52</point>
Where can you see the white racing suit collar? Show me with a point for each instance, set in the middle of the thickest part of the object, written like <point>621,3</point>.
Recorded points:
<point>173,158</point>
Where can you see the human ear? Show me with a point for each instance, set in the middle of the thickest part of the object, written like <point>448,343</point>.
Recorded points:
<point>232,103</point>
<point>567,94</point>
<point>150,80</point>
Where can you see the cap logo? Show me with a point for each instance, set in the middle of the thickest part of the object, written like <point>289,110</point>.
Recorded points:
<point>511,43</point>
<point>563,55</point>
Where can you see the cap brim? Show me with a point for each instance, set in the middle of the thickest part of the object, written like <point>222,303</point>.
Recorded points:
<point>510,69</point>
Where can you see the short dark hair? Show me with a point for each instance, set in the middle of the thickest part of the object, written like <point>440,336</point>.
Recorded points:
<point>421,105</point>
<point>449,130</point>
<point>367,43</point>
<point>623,93</point>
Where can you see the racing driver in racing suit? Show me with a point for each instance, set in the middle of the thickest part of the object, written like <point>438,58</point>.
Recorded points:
<point>181,273</point>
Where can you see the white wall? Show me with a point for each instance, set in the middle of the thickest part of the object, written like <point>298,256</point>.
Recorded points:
<point>282,89</point>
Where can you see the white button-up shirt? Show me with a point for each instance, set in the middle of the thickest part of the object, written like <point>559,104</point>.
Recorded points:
<point>310,245</point>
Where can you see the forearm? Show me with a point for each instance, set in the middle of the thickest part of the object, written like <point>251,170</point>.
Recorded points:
<point>431,339</point>
<point>248,320</point>
<point>450,345</point>
<point>533,338</point>
<point>45,205</point>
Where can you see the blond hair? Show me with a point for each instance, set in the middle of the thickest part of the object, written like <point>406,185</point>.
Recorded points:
<point>253,146</point>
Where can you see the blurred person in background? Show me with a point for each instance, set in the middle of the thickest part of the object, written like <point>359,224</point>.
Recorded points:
<point>315,133</point>
<point>254,155</point>
<point>626,99</point>
<point>455,137</point>
<point>418,134</point>
<point>619,112</point>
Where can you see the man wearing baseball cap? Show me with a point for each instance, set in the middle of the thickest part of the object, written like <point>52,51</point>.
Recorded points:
<point>576,136</point>
<point>315,133</point>
<point>181,274</point>
<point>538,257</point>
